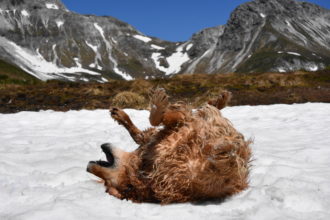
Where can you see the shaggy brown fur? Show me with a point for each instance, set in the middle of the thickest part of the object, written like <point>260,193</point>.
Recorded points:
<point>197,155</point>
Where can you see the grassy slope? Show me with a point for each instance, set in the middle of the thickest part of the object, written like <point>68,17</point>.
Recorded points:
<point>10,74</point>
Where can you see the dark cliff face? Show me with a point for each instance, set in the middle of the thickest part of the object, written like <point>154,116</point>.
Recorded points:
<point>273,35</point>
<point>48,41</point>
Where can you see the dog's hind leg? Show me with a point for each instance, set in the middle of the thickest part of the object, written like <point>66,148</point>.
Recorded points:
<point>221,101</point>
<point>140,137</point>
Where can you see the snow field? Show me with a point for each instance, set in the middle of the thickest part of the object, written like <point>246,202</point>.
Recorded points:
<point>43,158</point>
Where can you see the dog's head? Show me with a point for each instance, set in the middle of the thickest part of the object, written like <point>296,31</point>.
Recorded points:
<point>113,171</point>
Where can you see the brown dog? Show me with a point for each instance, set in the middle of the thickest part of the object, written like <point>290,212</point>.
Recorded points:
<point>196,155</point>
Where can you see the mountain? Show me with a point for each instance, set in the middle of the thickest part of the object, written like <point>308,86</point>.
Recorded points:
<point>269,35</point>
<point>46,40</point>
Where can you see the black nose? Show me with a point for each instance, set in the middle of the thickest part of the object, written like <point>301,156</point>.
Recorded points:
<point>91,163</point>
<point>107,149</point>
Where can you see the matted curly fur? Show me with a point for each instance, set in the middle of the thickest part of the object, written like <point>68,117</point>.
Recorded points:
<point>197,155</point>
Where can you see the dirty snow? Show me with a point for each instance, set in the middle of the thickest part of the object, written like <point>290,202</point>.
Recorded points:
<point>43,158</point>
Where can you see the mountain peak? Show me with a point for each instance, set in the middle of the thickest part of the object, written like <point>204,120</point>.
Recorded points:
<point>33,4</point>
<point>276,7</point>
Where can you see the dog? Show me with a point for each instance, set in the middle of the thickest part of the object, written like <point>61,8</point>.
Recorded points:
<point>193,155</point>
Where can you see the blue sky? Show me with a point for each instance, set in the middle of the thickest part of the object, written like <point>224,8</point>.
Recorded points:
<point>173,20</point>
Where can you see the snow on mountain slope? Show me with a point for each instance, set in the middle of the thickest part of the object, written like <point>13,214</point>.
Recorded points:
<point>87,47</point>
<point>249,42</point>
<point>36,65</point>
<point>43,157</point>
<point>174,61</point>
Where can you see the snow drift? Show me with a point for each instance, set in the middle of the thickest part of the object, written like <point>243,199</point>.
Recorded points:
<point>43,157</point>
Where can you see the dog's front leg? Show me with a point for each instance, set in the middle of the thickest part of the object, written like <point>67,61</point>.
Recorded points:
<point>140,137</point>
<point>112,190</point>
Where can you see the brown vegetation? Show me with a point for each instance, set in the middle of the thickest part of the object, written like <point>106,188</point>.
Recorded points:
<point>247,89</point>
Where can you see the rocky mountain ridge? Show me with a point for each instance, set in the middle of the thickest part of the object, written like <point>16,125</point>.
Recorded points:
<point>48,41</point>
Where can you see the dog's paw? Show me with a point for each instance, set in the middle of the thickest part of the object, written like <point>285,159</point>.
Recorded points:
<point>222,100</point>
<point>159,103</point>
<point>112,190</point>
<point>118,115</point>
<point>159,99</point>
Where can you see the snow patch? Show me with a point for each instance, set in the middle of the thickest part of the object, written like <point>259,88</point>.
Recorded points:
<point>100,29</point>
<point>59,23</point>
<point>55,53</point>
<point>36,65</point>
<point>142,38</point>
<point>94,48</point>
<point>189,46</point>
<point>51,6</point>
<point>77,61</point>
<point>112,59</point>
<point>157,47</point>
<point>155,57</point>
<point>287,23</point>
<point>25,13</point>
<point>174,61</point>
<point>312,68</point>
<point>294,53</point>
<point>114,40</point>
<point>97,56</point>
<point>281,70</point>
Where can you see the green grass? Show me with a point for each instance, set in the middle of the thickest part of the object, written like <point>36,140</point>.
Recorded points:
<point>10,74</point>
